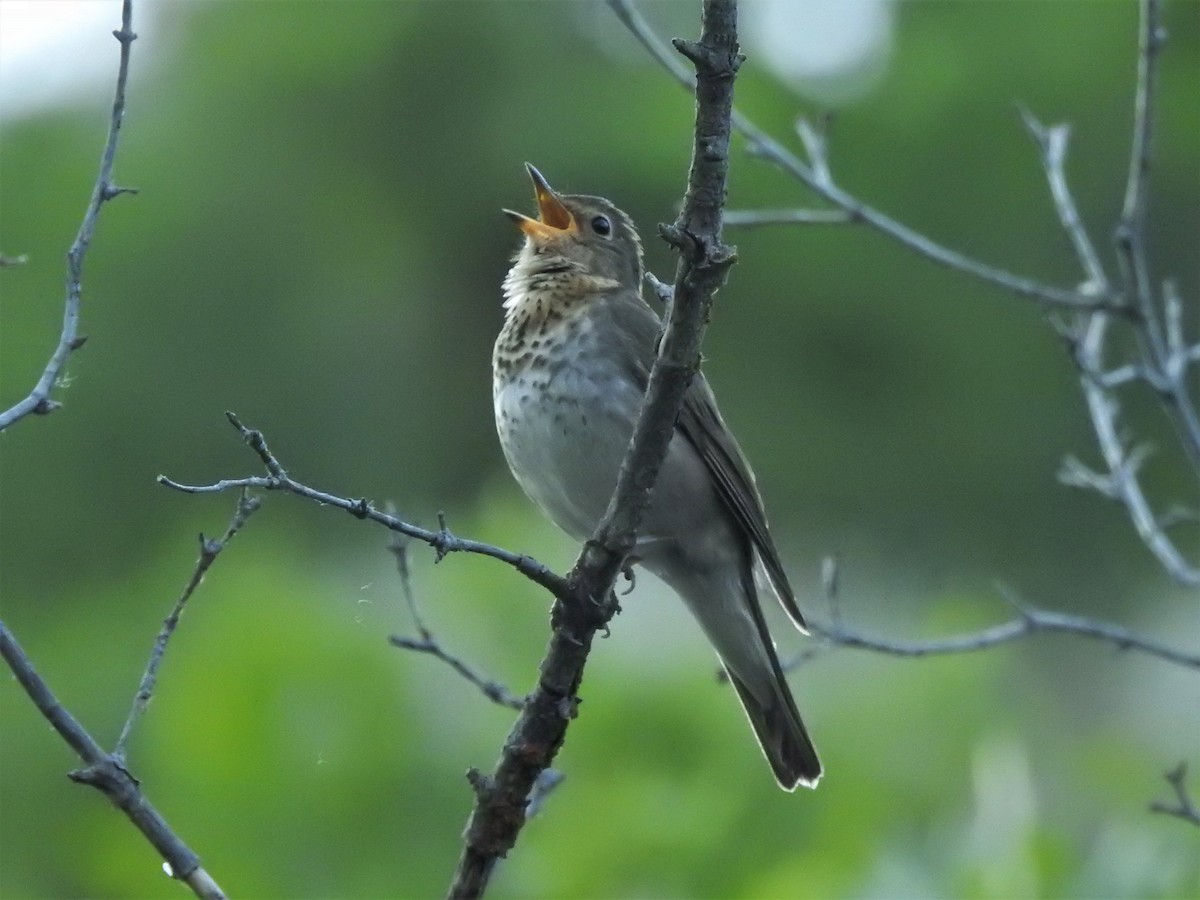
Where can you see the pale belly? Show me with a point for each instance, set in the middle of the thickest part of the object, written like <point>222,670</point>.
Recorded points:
<point>565,442</point>
<point>565,446</point>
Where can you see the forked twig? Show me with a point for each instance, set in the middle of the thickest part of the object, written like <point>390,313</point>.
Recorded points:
<point>426,642</point>
<point>1183,807</point>
<point>209,550</point>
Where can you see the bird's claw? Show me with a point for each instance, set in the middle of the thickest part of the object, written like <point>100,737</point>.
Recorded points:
<point>630,576</point>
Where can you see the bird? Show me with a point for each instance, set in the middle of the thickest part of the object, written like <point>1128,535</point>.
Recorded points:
<point>570,368</point>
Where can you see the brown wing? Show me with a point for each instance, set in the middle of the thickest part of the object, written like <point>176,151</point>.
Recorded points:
<point>703,426</point>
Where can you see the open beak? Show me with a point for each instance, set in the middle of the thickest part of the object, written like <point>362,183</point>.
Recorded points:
<point>554,219</point>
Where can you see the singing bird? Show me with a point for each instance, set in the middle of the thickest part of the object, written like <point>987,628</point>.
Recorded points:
<point>570,369</point>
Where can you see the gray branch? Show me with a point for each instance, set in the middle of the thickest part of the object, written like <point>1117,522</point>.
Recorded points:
<point>426,642</point>
<point>757,218</point>
<point>815,175</point>
<point>1160,345</point>
<point>1088,334</point>
<point>1165,354</point>
<point>106,772</point>
<point>501,799</point>
<point>1030,621</point>
<point>209,550</point>
<point>442,541</point>
<point>1183,807</point>
<point>40,400</point>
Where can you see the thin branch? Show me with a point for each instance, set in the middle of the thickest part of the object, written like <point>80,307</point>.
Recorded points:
<point>1183,357</point>
<point>1150,40</point>
<point>427,643</point>
<point>757,218</point>
<point>1154,344</point>
<point>209,550</point>
<point>663,292</point>
<point>1165,359</point>
<point>502,798</point>
<point>1183,807</point>
<point>108,774</point>
<point>492,689</point>
<point>816,145</point>
<point>1087,341</point>
<point>40,401</point>
<point>1121,481</point>
<point>814,175</point>
<point>1052,144</point>
<point>543,788</point>
<point>1130,231</point>
<point>443,541</point>
<point>1031,621</point>
<point>398,547</point>
<point>104,771</point>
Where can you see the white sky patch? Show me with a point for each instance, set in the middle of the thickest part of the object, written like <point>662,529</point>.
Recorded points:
<point>55,52</point>
<point>833,50</point>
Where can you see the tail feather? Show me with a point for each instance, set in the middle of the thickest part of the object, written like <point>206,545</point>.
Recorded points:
<point>723,597</point>
<point>781,734</point>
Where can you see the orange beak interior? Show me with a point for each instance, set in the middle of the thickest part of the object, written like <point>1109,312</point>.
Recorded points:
<point>554,218</point>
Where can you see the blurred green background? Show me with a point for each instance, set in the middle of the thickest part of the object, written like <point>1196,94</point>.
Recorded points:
<point>318,245</point>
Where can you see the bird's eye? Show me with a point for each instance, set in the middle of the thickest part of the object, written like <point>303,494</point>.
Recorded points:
<point>602,226</point>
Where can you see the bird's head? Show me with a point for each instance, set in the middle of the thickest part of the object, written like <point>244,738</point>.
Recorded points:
<point>577,233</point>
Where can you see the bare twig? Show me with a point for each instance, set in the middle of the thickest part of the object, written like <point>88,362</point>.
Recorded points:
<point>756,218</point>
<point>1166,355</point>
<point>398,547</point>
<point>493,690</point>
<point>443,541</point>
<point>104,771</point>
<point>663,292</point>
<point>1087,342</point>
<point>108,774</point>
<point>209,550</point>
<point>1030,621</point>
<point>502,798</point>
<point>1131,228</point>
<point>427,643</point>
<point>1184,807</point>
<point>1154,339</point>
<point>39,401</point>
<point>1052,143</point>
<point>543,788</point>
<point>815,176</point>
<point>1121,481</point>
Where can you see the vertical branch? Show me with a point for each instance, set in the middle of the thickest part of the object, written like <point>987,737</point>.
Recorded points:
<point>502,799</point>
<point>39,400</point>
<point>1130,239</point>
<point>104,771</point>
<point>1150,37</point>
<point>1088,336</point>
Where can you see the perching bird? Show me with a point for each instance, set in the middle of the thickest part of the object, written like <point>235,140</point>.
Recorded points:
<point>570,368</point>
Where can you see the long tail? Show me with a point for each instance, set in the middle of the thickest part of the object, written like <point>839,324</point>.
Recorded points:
<point>724,599</point>
<point>780,732</point>
<point>748,654</point>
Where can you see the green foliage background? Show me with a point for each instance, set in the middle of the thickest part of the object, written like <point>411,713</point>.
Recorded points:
<point>317,245</point>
